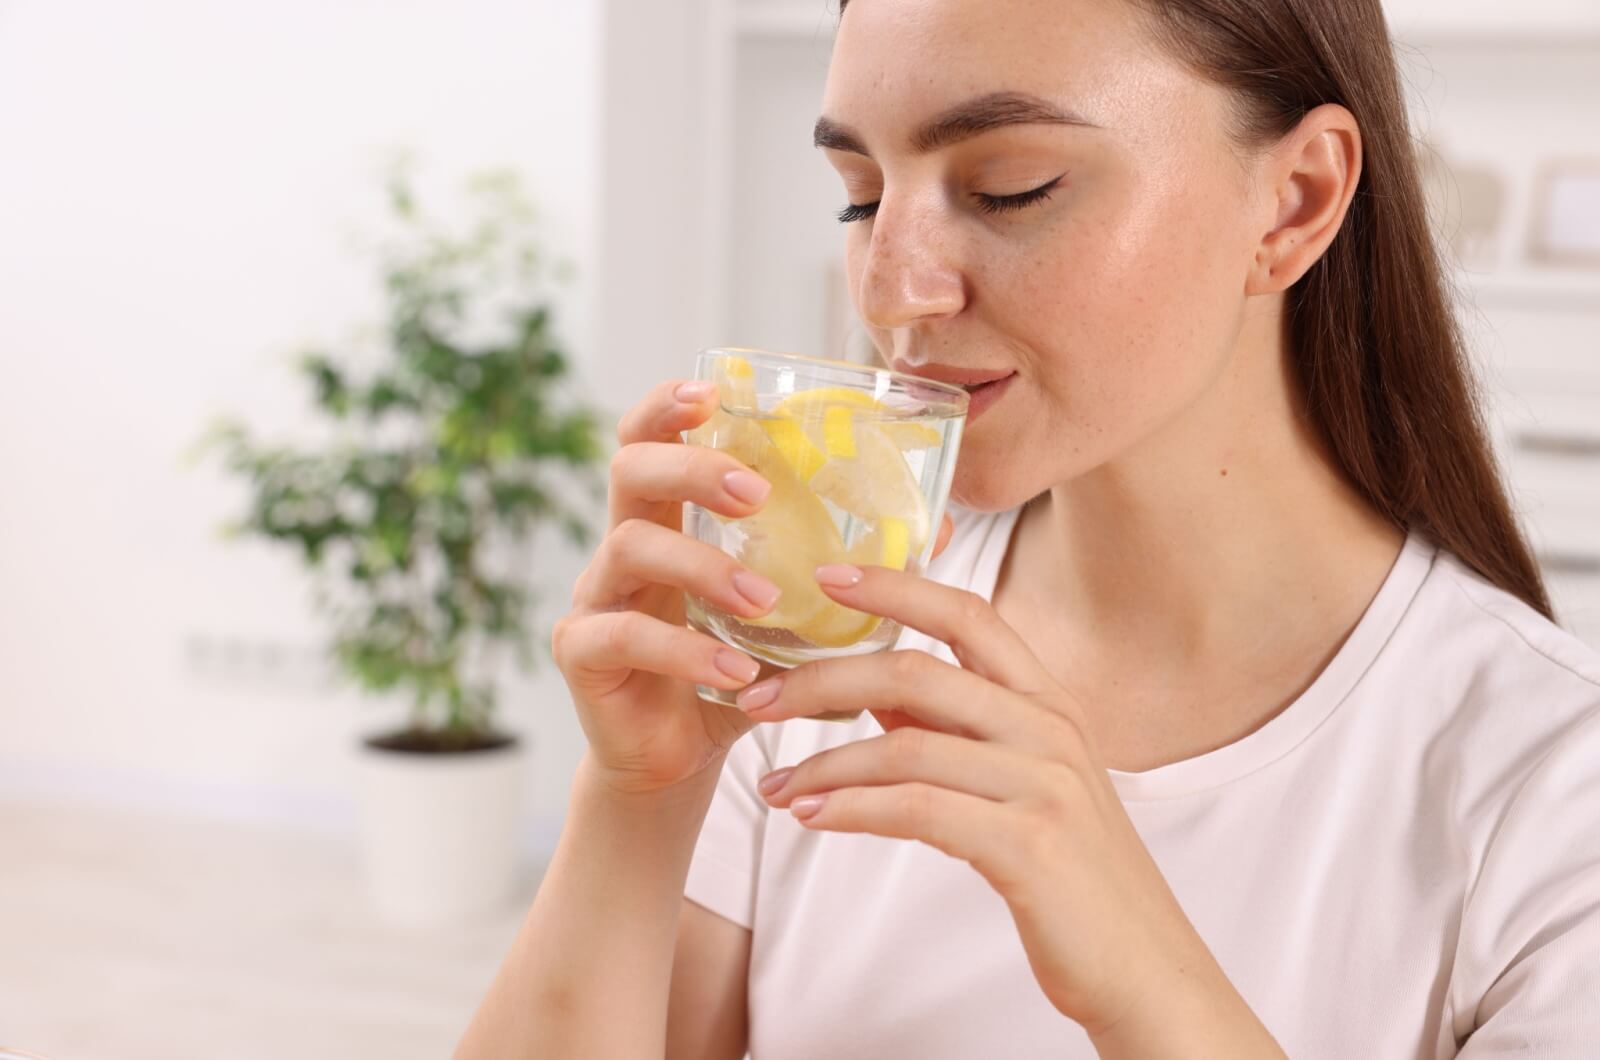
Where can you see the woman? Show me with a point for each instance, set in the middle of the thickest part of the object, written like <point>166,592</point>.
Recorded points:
<point>1233,722</point>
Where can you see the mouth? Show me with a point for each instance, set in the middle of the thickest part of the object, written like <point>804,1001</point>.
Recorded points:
<point>969,379</point>
<point>982,395</point>
<point>983,386</point>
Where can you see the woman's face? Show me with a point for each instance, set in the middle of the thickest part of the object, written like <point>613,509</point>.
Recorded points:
<point>1116,298</point>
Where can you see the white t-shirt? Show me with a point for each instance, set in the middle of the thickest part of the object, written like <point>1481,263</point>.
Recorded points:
<point>1403,863</point>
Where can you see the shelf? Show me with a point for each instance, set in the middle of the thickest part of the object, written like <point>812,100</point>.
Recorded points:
<point>809,21</point>
<point>1570,291</point>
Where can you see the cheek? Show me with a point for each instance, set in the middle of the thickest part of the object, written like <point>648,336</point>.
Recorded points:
<point>1125,312</point>
<point>1136,310</point>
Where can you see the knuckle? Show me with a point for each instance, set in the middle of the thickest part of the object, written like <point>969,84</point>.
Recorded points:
<point>1062,795</point>
<point>806,681</point>
<point>690,461</point>
<point>1066,740</point>
<point>907,746</point>
<point>617,632</point>
<point>580,586</point>
<point>630,535</point>
<point>906,667</point>
<point>620,462</point>
<point>560,635</point>
<point>1034,839</point>
<point>972,609</point>
<point>917,805</point>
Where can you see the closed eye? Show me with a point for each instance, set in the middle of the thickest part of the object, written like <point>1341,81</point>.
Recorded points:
<point>990,204</point>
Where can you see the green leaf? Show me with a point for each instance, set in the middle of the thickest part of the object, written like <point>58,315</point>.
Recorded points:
<point>437,456</point>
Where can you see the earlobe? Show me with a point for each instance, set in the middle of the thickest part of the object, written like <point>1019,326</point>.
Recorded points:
<point>1318,166</point>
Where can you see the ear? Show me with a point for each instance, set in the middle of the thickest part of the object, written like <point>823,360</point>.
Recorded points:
<point>1310,177</point>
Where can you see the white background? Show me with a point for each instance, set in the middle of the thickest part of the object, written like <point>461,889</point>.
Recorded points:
<point>181,182</point>
<point>178,183</point>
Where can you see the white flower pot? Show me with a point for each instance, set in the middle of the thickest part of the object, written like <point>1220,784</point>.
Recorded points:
<point>440,831</point>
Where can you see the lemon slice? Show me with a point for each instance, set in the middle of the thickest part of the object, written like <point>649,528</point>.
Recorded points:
<point>839,431</point>
<point>876,483</point>
<point>832,401</point>
<point>786,541</point>
<point>828,443</point>
<point>808,402</point>
<point>733,434</point>
<point>908,434</point>
<point>789,438</point>
<point>887,545</point>
<point>849,454</point>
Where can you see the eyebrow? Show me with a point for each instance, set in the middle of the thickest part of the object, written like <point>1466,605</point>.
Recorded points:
<point>961,122</point>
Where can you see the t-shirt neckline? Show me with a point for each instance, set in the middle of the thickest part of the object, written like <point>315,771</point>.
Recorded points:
<point>1291,726</point>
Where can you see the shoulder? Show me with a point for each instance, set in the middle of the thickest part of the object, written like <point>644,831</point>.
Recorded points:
<point>1523,776</point>
<point>1507,639</point>
<point>1500,692</point>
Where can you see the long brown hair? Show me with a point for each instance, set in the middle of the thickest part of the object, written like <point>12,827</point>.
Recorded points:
<point>1379,352</point>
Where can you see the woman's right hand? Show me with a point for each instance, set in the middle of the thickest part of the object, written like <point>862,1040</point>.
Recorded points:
<point>624,650</point>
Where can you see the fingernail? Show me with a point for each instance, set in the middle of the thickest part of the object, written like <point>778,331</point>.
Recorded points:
<point>756,589</point>
<point>770,783</point>
<point>747,486</point>
<point>757,696</point>
<point>694,393</point>
<point>741,668</point>
<point>806,806</point>
<point>838,575</point>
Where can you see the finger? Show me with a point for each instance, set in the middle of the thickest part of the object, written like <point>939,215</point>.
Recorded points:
<point>978,768</point>
<point>640,553</point>
<point>929,690</point>
<point>964,826</point>
<point>947,527</point>
<point>647,477</point>
<point>980,639</point>
<point>597,652</point>
<point>669,409</point>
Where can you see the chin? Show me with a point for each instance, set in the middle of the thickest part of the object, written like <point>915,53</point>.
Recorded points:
<point>983,486</point>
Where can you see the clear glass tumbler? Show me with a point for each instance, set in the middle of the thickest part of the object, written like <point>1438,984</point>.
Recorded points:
<point>860,460</point>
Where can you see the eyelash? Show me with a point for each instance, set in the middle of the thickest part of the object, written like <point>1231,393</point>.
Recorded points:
<point>990,204</point>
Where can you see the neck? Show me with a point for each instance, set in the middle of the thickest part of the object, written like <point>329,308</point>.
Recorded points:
<point>1211,572</point>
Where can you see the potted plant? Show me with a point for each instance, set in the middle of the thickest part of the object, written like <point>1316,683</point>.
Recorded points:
<point>448,447</point>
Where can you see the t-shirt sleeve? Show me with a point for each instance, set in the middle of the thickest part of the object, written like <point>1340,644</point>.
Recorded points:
<point>1527,976</point>
<point>722,873</point>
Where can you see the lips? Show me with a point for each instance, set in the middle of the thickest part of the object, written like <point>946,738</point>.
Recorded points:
<point>984,386</point>
<point>962,377</point>
<point>986,394</point>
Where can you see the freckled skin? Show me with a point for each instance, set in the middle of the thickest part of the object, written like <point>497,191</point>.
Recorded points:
<point>1120,301</point>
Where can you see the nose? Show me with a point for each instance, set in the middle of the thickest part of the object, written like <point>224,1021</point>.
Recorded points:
<point>909,272</point>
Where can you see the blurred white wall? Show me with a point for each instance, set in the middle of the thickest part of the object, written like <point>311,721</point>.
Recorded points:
<point>175,181</point>
<point>178,179</point>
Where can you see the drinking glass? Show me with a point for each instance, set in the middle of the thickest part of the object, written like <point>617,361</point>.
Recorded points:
<point>860,460</point>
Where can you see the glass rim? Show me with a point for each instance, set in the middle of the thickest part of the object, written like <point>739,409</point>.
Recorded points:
<point>903,378</point>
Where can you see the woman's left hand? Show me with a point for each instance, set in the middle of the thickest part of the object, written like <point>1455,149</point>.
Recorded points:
<point>992,762</point>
